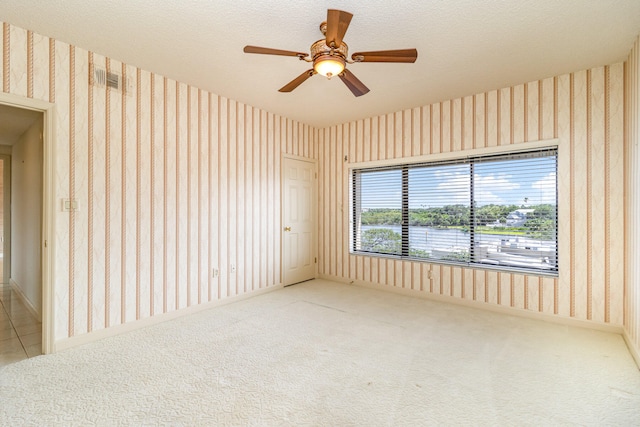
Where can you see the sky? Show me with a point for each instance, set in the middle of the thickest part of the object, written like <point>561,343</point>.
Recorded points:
<point>520,182</point>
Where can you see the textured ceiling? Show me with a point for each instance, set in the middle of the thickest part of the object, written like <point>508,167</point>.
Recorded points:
<point>464,46</point>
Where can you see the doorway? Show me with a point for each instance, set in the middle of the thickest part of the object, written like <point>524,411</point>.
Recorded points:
<point>27,208</point>
<point>299,219</point>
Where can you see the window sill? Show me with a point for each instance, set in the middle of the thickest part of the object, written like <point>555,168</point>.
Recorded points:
<point>474,266</point>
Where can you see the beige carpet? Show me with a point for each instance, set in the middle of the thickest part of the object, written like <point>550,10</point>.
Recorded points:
<point>321,353</point>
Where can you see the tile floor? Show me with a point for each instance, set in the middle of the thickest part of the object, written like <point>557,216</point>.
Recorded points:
<point>20,331</point>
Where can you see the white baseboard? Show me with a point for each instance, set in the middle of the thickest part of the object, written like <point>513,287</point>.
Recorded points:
<point>635,351</point>
<point>18,290</point>
<point>90,337</point>
<point>603,327</point>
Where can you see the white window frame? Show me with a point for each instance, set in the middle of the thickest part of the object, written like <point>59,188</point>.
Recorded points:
<point>451,156</point>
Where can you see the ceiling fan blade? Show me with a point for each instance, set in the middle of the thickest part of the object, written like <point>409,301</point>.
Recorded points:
<point>400,55</point>
<point>337,24</point>
<point>268,51</point>
<point>355,86</point>
<point>297,81</point>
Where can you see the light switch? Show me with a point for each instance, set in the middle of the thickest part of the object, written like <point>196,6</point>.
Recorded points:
<point>69,205</point>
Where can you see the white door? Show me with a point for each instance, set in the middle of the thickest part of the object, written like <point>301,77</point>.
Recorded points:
<point>298,219</point>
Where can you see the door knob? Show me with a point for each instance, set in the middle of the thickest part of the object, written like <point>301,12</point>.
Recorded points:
<point>287,229</point>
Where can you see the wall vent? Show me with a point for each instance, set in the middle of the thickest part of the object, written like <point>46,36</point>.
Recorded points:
<point>115,81</point>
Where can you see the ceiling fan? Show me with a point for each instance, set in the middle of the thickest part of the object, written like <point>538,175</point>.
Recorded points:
<point>330,55</point>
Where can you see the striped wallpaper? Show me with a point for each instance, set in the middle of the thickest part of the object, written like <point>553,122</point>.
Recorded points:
<point>632,314</point>
<point>583,110</point>
<point>171,181</point>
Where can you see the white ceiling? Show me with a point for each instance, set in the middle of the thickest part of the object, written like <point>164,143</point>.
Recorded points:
<point>464,46</point>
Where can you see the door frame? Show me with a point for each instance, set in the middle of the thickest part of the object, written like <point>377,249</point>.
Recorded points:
<point>6,223</point>
<point>48,208</point>
<point>314,209</point>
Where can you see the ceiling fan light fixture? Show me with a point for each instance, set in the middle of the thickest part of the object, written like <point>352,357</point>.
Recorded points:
<point>329,65</point>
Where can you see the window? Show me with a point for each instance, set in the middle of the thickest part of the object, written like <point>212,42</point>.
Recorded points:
<point>494,211</point>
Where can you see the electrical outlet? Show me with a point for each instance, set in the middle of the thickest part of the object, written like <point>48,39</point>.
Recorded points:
<point>429,274</point>
<point>215,272</point>
<point>233,268</point>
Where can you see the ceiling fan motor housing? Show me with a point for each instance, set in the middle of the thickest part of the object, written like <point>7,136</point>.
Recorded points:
<point>320,48</point>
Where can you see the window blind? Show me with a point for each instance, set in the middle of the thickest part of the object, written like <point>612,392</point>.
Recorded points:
<point>496,211</point>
